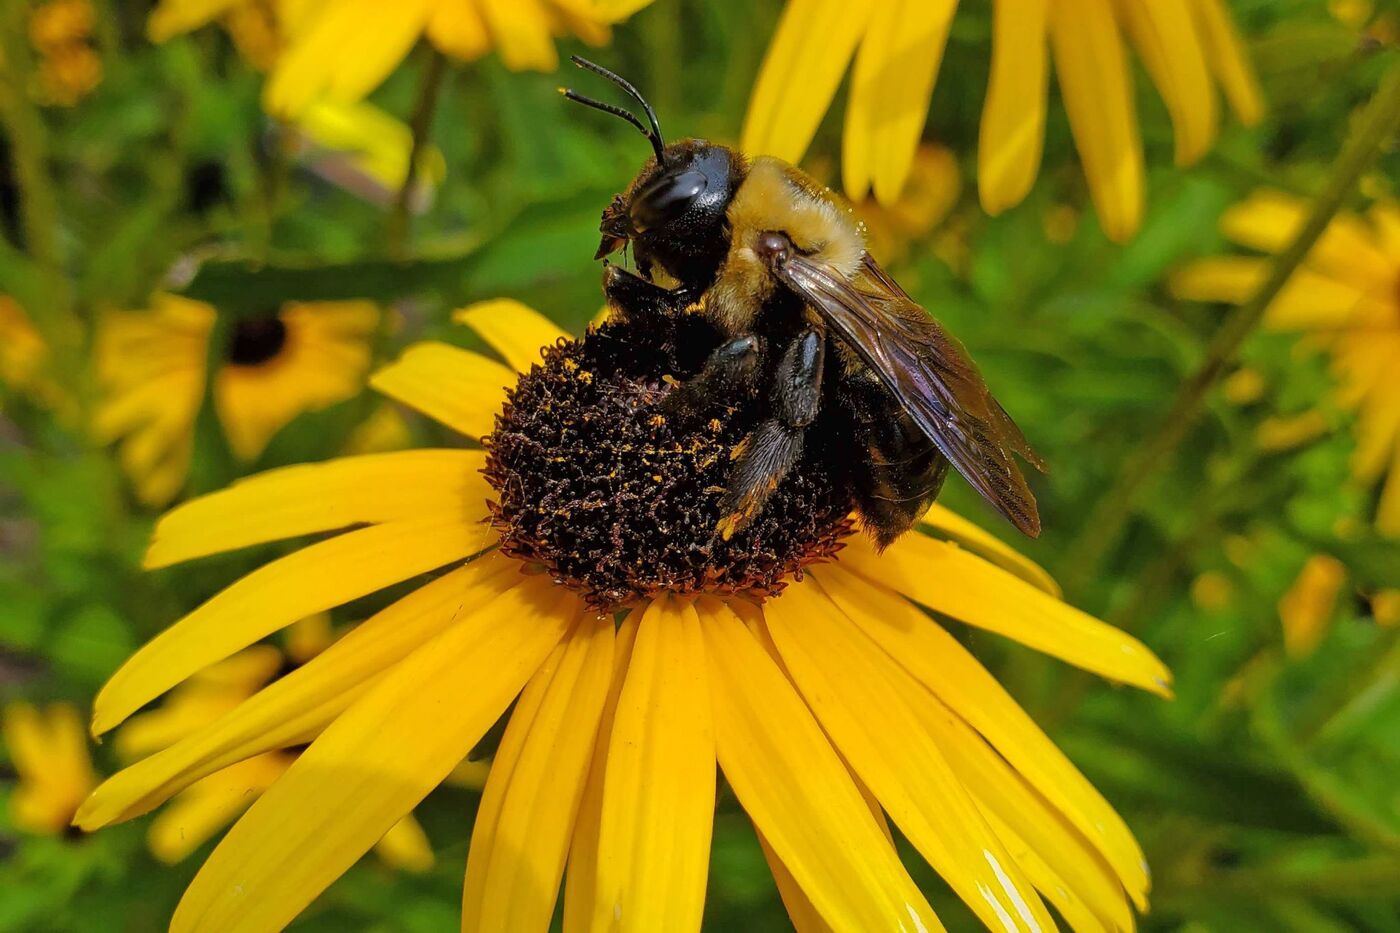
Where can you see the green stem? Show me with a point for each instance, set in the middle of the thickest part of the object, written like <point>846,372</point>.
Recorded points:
<point>420,125</point>
<point>1115,507</point>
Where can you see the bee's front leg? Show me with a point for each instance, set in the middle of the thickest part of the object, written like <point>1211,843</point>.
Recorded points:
<point>775,446</point>
<point>634,298</point>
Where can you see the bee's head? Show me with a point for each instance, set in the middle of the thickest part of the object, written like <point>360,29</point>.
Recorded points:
<point>673,213</point>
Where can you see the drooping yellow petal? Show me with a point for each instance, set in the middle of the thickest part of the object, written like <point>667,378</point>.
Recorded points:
<point>890,91</point>
<point>865,702</point>
<point>523,826</point>
<point>1388,509</point>
<point>300,500</point>
<point>521,31</point>
<point>602,11</point>
<point>1062,864</point>
<point>1306,609</point>
<point>48,750</point>
<point>949,580</point>
<point>314,579</point>
<point>297,706</point>
<point>937,660</point>
<point>806,58</point>
<point>1378,424</point>
<point>1308,301</point>
<point>1013,116</point>
<point>197,814</point>
<point>797,791</point>
<point>582,877</point>
<point>659,786</point>
<point>945,523</point>
<point>406,847</point>
<point>462,390</point>
<point>514,330</point>
<point>1166,37</point>
<point>1229,61</point>
<point>371,767</point>
<point>1097,88</point>
<point>347,50</point>
<point>456,28</point>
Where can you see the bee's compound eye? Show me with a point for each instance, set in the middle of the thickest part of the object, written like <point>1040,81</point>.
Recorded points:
<point>665,199</point>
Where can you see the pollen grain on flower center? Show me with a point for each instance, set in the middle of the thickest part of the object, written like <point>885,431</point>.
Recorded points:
<point>621,502</point>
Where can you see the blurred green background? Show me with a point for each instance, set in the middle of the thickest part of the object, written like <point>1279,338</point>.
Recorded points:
<point>1267,794</point>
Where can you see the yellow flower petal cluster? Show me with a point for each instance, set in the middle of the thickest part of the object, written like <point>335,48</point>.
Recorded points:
<point>1189,47</point>
<point>48,751</point>
<point>831,708</point>
<point>151,367</point>
<point>1345,297</point>
<point>340,50</point>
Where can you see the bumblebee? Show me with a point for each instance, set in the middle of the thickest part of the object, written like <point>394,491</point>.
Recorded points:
<point>806,318</point>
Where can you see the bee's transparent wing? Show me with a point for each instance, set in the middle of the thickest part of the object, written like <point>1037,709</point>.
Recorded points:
<point>930,374</point>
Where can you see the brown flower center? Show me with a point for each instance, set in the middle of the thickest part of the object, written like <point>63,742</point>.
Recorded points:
<point>255,340</point>
<point>621,502</point>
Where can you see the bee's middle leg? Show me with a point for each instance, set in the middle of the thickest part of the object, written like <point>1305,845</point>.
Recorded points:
<point>773,449</point>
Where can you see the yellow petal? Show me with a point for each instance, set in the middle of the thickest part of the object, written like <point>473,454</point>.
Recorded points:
<point>1013,117</point>
<point>371,767</point>
<point>1166,38</point>
<point>526,818</point>
<point>514,330</point>
<point>172,17</point>
<point>297,706</point>
<point>937,660</point>
<point>1097,90</point>
<point>865,702</point>
<point>945,523</point>
<point>602,11</point>
<point>1064,866</point>
<point>1307,608</point>
<point>406,847</point>
<point>521,31</point>
<point>797,791</point>
<point>301,500</point>
<point>890,91</point>
<point>806,58</point>
<point>345,53</point>
<point>462,390</point>
<point>949,580</point>
<point>319,577</point>
<point>582,877</point>
<point>457,29</point>
<point>1229,61</point>
<point>659,785</point>
<point>195,816</point>
<point>1269,220</point>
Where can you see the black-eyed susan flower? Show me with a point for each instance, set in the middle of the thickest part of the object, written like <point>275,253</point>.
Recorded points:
<point>151,366</point>
<point>342,50</point>
<point>1346,298</point>
<point>48,750</point>
<point>209,805</point>
<point>574,572</point>
<point>1187,47</point>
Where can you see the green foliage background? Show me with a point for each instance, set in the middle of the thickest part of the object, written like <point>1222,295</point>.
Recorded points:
<point>1267,794</point>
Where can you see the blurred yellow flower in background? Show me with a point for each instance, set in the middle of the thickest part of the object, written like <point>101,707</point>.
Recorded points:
<point>1310,604</point>
<point>837,683</point>
<point>1187,47</point>
<point>341,51</point>
<point>69,67</point>
<point>206,807</point>
<point>151,371</point>
<point>1346,298</point>
<point>49,752</point>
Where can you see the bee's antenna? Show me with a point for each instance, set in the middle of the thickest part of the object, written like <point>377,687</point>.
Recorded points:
<point>653,135</point>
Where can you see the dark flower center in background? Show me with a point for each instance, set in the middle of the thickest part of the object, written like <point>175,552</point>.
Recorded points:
<point>620,502</point>
<point>256,340</point>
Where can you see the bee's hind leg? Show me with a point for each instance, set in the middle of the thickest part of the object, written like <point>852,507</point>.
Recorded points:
<point>775,446</point>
